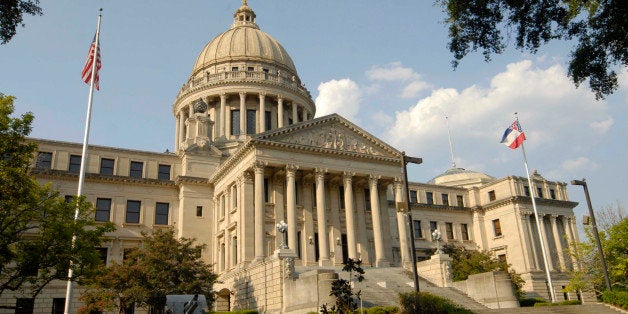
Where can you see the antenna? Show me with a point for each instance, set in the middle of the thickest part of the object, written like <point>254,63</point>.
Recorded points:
<point>451,146</point>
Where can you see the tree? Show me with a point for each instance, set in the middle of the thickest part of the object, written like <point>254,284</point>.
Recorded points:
<point>36,224</point>
<point>599,28</point>
<point>162,265</point>
<point>11,12</point>
<point>343,292</point>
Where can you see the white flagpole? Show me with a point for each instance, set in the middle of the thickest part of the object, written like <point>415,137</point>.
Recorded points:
<point>79,193</point>
<point>538,224</point>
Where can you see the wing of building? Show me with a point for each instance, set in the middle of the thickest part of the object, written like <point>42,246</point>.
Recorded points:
<point>250,154</point>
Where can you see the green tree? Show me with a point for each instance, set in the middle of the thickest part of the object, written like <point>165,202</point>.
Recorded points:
<point>597,27</point>
<point>11,15</point>
<point>162,265</point>
<point>343,292</point>
<point>36,224</point>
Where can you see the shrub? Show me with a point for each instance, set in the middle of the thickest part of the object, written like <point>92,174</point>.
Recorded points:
<point>618,298</point>
<point>530,302</point>
<point>425,303</point>
<point>380,310</point>
<point>568,302</point>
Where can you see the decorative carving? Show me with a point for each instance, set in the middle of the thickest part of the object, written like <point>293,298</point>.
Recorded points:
<point>320,173</point>
<point>347,177</point>
<point>291,170</point>
<point>332,137</point>
<point>200,106</point>
<point>258,166</point>
<point>288,268</point>
<point>373,181</point>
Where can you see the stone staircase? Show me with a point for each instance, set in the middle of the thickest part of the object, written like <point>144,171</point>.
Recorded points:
<point>597,308</point>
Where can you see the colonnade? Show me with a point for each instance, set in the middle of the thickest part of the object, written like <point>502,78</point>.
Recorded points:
<point>555,239</point>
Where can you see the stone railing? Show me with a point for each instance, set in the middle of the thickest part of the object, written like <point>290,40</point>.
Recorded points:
<point>253,76</point>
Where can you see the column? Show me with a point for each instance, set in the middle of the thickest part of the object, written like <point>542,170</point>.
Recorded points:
<point>246,237</point>
<point>259,210</point>
<point>278,189</point>
<point>321,217</point>
<point>570,238</point>
<point>223,115</point>
<point>304,113</point>
<point>380,258</point>
<point>545,239</point>
<point>291,206</point>
<point>182,129</point>
<point>295,115</point>
<point>559,245</point>
<point>279,111</point>
<point>262,112</point>
<point>350,215</point>
<point>535,250</point>
<point>527,248</point>
<point>334,217</point>
<point>242,113</point>
<point>402,225</point>
<point>176,133</point>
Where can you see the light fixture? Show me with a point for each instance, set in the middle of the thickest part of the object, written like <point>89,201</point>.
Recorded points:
<point>310,240</point>
<point>338,241</point>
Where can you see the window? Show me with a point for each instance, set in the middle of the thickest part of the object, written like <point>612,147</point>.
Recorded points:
<point>106,166</point>
<point>24,305</point>
<point>161,213</point>
<point>449,230</point>
<point>235,122</point>
<point>75,164</point>
<point>103,209</point>
<point>102,253</point>
<point>429,198</point>
<point>460,200</point>
<point>164,172</point>
<point>433,226</point>
<point>250,121</point>
<point>137,168</point>
<point>445,198</point>
<point>234,196</point>
<point>497,227</point>
<point>290,121</point>
<point>133,212</point>
<point>539,192</point>
<point>491,195</point>
<point>251,69</point>
<point>413,197</point>
<point>367,200</point>
<point>44,161</point>
<point>465,232</point>
<point>552,194</point>
<point>199,211</point>
<point>526,191</point>
<point>266,191</point>
<point>58,305</point>
<point>341,198</point>
<point>234,69</point>
<point>418,233</point>
<point>267,120</point>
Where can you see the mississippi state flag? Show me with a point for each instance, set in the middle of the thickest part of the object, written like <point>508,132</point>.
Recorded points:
<point>513,136</point>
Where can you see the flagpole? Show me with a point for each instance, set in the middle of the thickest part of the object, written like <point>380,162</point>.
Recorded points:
<point>538,224</point>
<point>79,193</point>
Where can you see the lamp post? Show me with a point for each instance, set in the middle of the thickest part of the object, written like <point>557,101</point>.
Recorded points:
<point>436,236</point>
<point>404,162</point>
<point>583,183</point>
<point>282,227</point>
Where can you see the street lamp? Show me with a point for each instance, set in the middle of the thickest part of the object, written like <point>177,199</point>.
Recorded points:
<point>282,227</point>
<point>404,162</point>
<point>583,183</point>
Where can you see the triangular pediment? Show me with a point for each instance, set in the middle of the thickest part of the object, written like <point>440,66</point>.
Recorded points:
<point>330,133</point>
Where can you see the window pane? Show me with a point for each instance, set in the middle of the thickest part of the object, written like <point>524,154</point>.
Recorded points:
<point>250,122</point>
<point>103,208</point>
<point>133,212</point>
<point>433,226</point>
<point>44,162</point>
<point>460,200</point>
<point>75,164</point>
<point>24,305</point>
<point>413,197</point>
<point>106,166</point>
<point>102,252</point>
<point>161,213</point>
<point>367,200</point>
<point>429,197</point>
<point>465,231</point>
<point>418,234</point>
<point>164,172</point>
<point>449,229</point>
<point>491,196</point>
<point>539,192</point>
<point>136,170</point>
<point>497,227</point>
<point>267,120</point>
<point>445,198</point>
<point>235,122</point>
<point>199,211</point>
<point>341,193</point>
<point>58,305</point>
<point>552,194</point>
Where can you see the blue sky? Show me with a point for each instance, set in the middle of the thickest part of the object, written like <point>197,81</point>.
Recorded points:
<point>382,64</point>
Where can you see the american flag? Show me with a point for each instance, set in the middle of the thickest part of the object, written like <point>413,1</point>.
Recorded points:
<point>87,69</point>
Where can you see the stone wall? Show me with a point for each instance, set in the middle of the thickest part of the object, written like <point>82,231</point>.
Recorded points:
<point>437,270</point>
<point>493,289</point>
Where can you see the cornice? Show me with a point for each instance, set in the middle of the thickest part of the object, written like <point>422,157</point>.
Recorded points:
<point>193,180</point>
<point>499,203</point>
<point>95,177</point>
<point>98,147</point>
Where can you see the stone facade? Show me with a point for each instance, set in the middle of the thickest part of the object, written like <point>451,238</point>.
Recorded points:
<point>249,154</point>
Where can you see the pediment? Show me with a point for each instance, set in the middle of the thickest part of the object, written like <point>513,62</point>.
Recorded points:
<point>331,133</point>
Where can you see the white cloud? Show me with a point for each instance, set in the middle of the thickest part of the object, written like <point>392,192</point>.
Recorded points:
<point>602,126</point>
<point>339,96</point>
<point>393,71</point>
<point>413,89</point>
<point>578,164</point>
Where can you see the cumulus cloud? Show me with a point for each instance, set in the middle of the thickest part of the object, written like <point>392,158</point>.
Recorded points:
<point>339,96</point>
<point>602,126</point>
<point>580,163</point>
<point>397,74</point>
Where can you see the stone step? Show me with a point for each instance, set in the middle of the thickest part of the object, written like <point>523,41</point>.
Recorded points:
<point>597,308</point>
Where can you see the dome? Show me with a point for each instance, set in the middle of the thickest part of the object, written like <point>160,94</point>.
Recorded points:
<point>244,41</point>
<point>460,177</point>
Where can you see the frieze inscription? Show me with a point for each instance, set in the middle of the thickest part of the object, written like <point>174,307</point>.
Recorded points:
<point>331,137</point>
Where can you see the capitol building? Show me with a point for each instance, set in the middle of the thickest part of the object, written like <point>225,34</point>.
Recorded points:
<point>249,153</point>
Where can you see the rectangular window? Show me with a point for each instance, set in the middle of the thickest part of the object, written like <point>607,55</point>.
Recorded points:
<point>460,200</point>
<point>341,198</point>
<point>429,198</point>
<point>235,122</point>
<point>58,305</point>
<point>199,211</point>
<point>75,164</point>
<point>449,230</point>
<point>106,166</point>
<point>552,194</point>
<point>44,161</point>
<point>24,305</point>
<point>161,213</point>
<point>497,227</point>
<point>234,69</point>
<point>267,120</point>
<point>445,198</point>
<point>367,200</point>
<point>526,191</point>
<point>250,121</point>
<point>413,197</point>
<point>133,212</point>
<point>465,231</point>
<point>164,172</point>
<point>266,191</point>
<point>433,226</point>
<point>539,192</point>
<point>250,69</point>
<point>102,253</point>
<point>103,209</point>
<point>137,168</point>
<point>491,195</point>
<point>418,233</point>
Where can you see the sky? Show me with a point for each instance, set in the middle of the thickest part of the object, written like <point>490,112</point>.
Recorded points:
<point>383,65</point>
